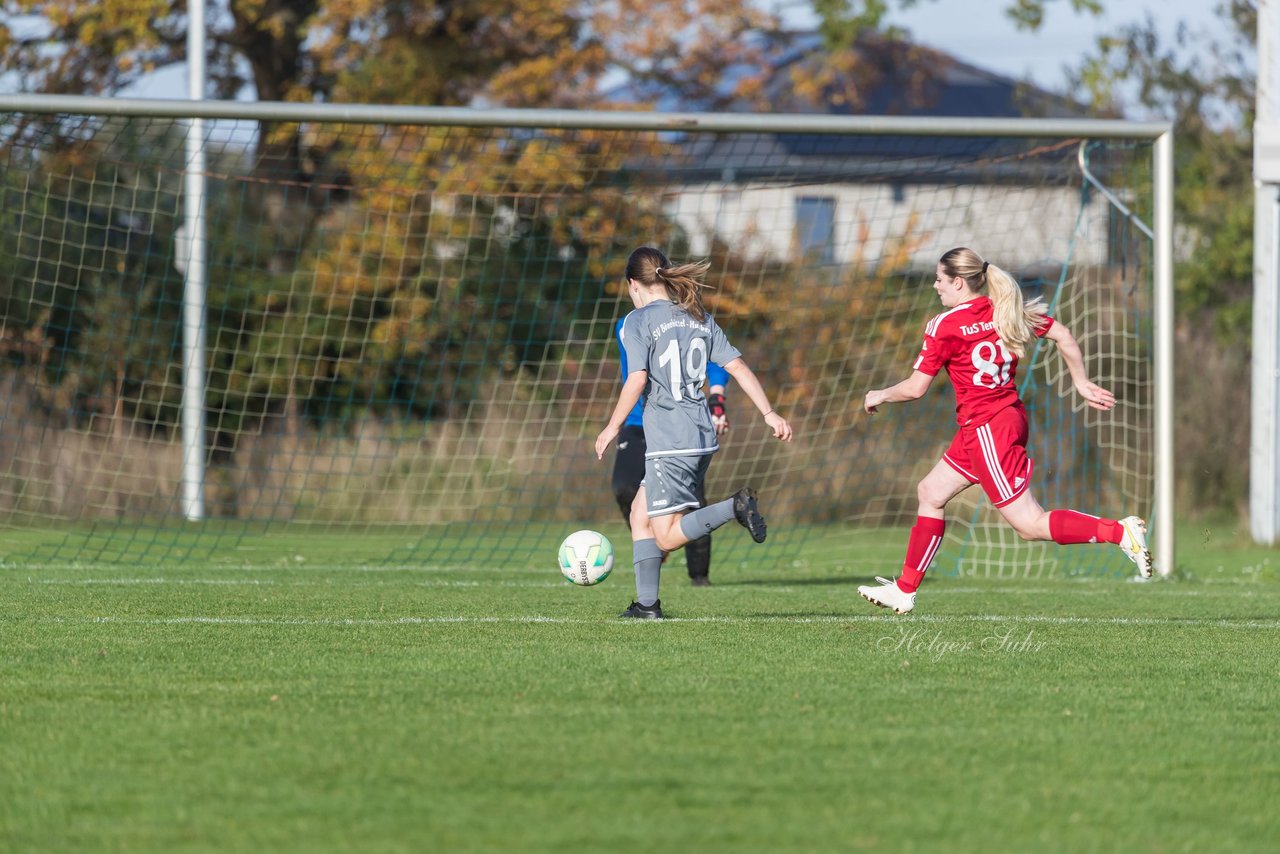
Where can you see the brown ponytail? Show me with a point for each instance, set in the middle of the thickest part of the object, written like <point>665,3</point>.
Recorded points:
<point>683,282</point>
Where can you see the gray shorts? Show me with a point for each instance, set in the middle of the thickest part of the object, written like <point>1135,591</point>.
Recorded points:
<point>672,484</point>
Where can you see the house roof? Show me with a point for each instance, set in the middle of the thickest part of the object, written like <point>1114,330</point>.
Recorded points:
<point>890,77</point>
<point>897,77</point>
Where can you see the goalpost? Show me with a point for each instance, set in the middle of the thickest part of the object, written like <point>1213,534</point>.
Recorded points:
<point>409,322</point>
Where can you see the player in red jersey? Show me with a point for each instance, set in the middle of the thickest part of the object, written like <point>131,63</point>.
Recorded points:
<point>978,340</point>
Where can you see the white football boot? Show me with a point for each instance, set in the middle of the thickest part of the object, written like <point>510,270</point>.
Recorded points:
<point>1134,544</point>
<point>888,595</point>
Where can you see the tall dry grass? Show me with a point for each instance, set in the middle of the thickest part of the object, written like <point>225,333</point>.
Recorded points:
<point>524,452</point>
<point>515,456</point>
<point>1211,424</point>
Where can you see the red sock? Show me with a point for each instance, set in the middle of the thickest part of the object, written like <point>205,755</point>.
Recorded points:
<point>1069,526</point>
<point>922,545</point>
<point>1110,531</point>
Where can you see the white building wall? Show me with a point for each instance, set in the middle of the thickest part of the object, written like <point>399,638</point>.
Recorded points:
<point>1014,227</point>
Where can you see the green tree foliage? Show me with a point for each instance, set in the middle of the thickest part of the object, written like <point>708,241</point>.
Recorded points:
<point>411,248</point>
<point>365,269</point>
<point>1208,91</point>
<point>89,292</point>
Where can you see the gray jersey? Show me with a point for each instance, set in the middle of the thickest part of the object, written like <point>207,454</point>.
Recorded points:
<point>674,348</point>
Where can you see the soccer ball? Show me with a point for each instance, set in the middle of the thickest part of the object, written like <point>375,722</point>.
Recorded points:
<point>586,557</point>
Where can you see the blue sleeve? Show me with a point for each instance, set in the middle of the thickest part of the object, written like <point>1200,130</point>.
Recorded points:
<point>717,375</point>
<point>622,351</point>
<point>635,418</point>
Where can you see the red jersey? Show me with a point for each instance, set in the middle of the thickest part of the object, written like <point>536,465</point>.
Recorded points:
<point>981,368</point>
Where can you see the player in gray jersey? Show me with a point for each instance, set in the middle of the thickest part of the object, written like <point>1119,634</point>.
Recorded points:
<point>668,341</point>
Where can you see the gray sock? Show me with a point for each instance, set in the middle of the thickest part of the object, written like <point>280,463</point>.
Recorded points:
<point>699,523</point>
<point>648,558</point>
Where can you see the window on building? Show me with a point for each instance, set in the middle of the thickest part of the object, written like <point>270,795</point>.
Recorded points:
<point>816,228</point>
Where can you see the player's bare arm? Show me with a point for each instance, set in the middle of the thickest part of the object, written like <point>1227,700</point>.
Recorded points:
<point>1093,394</point>
<point>627,399</point>
<point>755,392</point>
<point>912,388</point>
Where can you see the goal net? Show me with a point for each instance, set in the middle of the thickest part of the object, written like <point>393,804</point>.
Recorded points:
<point>410,328</point>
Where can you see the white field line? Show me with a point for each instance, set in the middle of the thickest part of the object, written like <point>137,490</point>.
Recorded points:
<point>858,571</point>
<point>856,575</point>
<point>1244,623</point>
<point>79,582</point>
<point>263,582</point>
<point>1074,588</point>
<point>286,565</point>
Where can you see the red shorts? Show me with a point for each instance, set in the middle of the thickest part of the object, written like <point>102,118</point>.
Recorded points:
<point>995,455</point>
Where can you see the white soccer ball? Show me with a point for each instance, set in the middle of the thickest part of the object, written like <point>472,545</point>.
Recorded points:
<point>586,557</point>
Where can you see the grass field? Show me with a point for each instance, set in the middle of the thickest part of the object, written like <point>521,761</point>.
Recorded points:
<point>317,702</point>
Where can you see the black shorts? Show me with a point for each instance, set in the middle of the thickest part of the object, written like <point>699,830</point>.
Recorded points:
<point>628,466</point>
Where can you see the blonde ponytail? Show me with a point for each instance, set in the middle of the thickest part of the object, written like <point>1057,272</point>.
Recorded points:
<point>1015,319</point>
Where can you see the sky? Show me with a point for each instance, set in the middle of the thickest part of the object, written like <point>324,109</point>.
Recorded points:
<point>978,32</point>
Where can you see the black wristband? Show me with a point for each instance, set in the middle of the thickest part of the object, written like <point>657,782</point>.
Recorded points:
<point>715,402</point>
